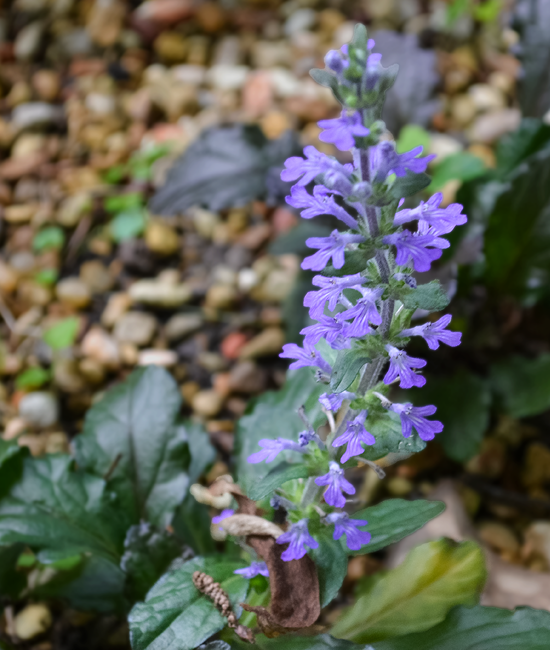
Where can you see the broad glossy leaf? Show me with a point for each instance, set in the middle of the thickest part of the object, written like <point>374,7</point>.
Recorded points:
<point>273,415</point>
<point>348,364</point>
<point>411,136</point>
<point>418,594</point>
<point>430,296</point>
<point>176,615</point>
<point>394,519</point>
<point>62,334</point>
<point>355,262</point>
<point>127,224</point>
<point>465,420</point>
<point>386,428</point>
<point>132,430</point>
<point>280,474</point>
<point>331,561</point>
<point>523,385</point>
<point>513,148</point>
<point>60,513</point>
<point>12,581</point>
<point>480,628</point>
<point>192,525</point>
<point>202,452</point>
<point>147,554</point>
<point>461,166</point>
<point>292,642</point>
<point>408,185</point>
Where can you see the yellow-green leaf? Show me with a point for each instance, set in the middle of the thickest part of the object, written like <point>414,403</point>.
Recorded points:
<point>416,595</point>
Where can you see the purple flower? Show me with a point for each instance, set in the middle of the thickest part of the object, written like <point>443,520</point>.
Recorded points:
<point>335,62</point>
<point>224,514</point>
<point>331,328</point>
<point>343,525</point>
<point>434,333</point>
<point>337,484</point>
<point>255,569</point>
<point>331,289</point>
<point>415,246</point>
<point>315,163</point>
<point>443,219</point>
<point>373,70</point>
<point>334,401</point>
<point>354,435</point>
<point>401,366</point>
<point>385,160</point>
<point>364,312</point>
<point>413,417</point>
<point>272,448</point>
<point>341,131</point>
<point>306,356</point>
<point>297,537</point>
<point>329,247</point>
<point>320,202</point>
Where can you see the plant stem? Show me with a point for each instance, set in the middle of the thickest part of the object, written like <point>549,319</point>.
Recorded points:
<point>311,493</point>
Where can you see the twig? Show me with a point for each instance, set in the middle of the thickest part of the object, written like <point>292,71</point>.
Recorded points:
<point>112,467</point>
<point>538,507</point>
<point>213,590</point>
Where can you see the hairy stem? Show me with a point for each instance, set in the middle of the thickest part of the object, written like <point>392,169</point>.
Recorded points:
<point>311,493</point>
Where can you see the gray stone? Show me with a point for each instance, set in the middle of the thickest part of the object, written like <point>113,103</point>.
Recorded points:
<point>39,409</point>
<point>182,325</point>
<point>135,327</point>
<point>34,114</point>
<point>159,294</point>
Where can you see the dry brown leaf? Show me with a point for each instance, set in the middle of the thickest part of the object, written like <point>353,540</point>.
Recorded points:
<point>243,525</point>
<point>203,495</point>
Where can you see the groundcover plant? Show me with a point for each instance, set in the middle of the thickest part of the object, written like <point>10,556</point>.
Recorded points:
<point>123,521</point>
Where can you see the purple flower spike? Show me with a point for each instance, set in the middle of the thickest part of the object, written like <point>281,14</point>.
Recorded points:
<point>415,246</point>
<point>320,202</point>
<point>332,247</point>
<point>330,290</point>
<point>337,484</point>
<point>434,333</point>
<point>443,219</point>
<point>343,525</point>
<point>334,401</point>
<point>364,312</point>
<point>255,569</point>
<point>412,417</point>
<point>401,366</point>
<point>272,448</point>
<point>315,163</point>
<point>297,537</point>
<point>385,160</point>
<point>224,514</point>
<point>305,357</point>
<point>341,131</point>
<point>354,436</point>
<point>333,329</point>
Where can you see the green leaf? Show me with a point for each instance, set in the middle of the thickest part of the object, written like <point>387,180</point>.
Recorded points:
<point>465,420</point>
<point>123,202</point>
<point>46,277</point>
<point>355,262</point>
<point>32,378</point>
<point>280,474</point>
<point>430,296</point>
<point>348,364</point>
<point>523,385</point>
<point>62,334</point>
<point>49,238</point>
<point>131,435</point>
<point>324,78</point>
<point>176,615</point>
<point>60,513</point>
<point>480,628</point>
<point>192,525</point>
<point>12,582</point>
<point>411,136</point>
<point>128,224</point>
<point>460,166</point>
<point>275,414</point>
<point>331,561</point>
<point>513,148</point>
<point>148,553</point>
<point>416,595</point>
<point>12,457</point>
<point>201,450</point>
<point>386,428</point>
<point>291,642</point>
<point>408,185</point>
<point>394,519</point>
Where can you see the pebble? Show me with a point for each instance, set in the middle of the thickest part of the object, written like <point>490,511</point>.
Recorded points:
<point>227,77</point>
<point>39,409</point>
<point>164,12</point>
<point>28,144</point>
<point>489,127</point>
<point>171,47</point>
<point>135,327</point>
<point>207,403</point>
<point>20,213</point>
<point>246,377</point>
<point>537,541</point>
<point>92,371</point>
<point>28,40</point>
<point>181,325</point>
<point>8,278</point>
<point>33,114</point>
<point>443,145</point>
<point>14,428</point>
<point>205,222</point>
<point>73,292</point>
<point>499,537</point>
<point>117,305</point>
<point>258,94</point>
<point>463,109</point>
<point>101,346</point>
<point>399,486</point>
<point>300,20</point>
<point>47,84</point>
<point>247,280</point>
<point>486,97</point>
<point>268,342</point>
<point>159,294</point>
<point>194,75</point>
<point>276,286</point>
<point>161,238</point>
<point>67,377</point>
<point>72,209</point>
<point>96,277</point>
<point>232,345</point>
<point>536,466</point>
<point>164,358</point>
<point>32,621</point>
<point>221,296</point>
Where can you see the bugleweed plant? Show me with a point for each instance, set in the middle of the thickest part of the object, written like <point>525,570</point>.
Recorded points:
<point>123,526</point>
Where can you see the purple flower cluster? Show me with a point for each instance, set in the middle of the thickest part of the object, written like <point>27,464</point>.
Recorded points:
<point>354,313</point>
